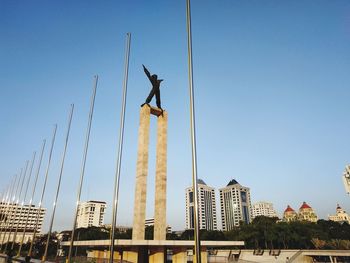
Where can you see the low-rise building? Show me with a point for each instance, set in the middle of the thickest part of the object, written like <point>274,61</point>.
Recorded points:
<point>263,209</point>
<point>341,216</point>
<point>306,213</point>
<point>290,215</point>
<point>150,222</point>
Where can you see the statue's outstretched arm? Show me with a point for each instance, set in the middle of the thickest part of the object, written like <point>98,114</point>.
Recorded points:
<point>146,71</point>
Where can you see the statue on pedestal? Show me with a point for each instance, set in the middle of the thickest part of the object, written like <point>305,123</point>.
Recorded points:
<point>155,88</point>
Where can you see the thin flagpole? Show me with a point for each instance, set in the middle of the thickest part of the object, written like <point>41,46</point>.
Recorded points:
<point>120,148</point>
<point>24,200</point>
<point>4,204</point>
<point>197,244</point>
<point>15,203</point>
<point>80,186</point>
<point>9,204</point>
<point>59,181</point>
<point>31,199</point>
<point>43,191</point>
<point>6,207</point>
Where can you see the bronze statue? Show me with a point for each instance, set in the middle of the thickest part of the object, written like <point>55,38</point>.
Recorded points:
<point>155,88</point>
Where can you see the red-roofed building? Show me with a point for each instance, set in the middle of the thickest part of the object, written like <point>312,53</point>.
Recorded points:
<point>306,213</point>
<point>289,214</point>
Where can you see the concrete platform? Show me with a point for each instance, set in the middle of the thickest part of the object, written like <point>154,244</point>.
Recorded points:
<point>155,243</point>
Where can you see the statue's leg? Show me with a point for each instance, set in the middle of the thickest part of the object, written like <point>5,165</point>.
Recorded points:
<point>158,99</point>
<point>149,98</point>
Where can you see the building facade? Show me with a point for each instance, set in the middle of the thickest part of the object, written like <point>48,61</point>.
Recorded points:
<point>150,222</point>
<point>341,216</point>
<point>263,209</point>
<point>346,179</point>
<point>235,205</point>
<point>21,217</point>
<point>290,215</point>
<point>91,213</point>
<point>206,207</point>
<point>306,213</point>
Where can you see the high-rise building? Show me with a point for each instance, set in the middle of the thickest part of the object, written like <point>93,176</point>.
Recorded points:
<point>346,179</point>
<point>263,209</point>
<point>20,217</point>
<point>235,205</point>
<point>341,216</point>
<point>206,207</point>
<point>91,213</point>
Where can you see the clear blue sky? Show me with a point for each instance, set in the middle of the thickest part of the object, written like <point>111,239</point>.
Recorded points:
<point>272,97</point>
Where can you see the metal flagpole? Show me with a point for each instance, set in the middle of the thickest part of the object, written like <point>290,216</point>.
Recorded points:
<point>6,206</point>
<point>15,203</point>
<point>4,203</point>
<point>197,244</point>
<point>2,207</point>
<point>43,192</point>
<point>120,148</point>
<point>24,199</point>
<point>6,213</point>
<point>31,199</point>
<point>59,181</point>
<point>87,139</point>
<point>15,212</point>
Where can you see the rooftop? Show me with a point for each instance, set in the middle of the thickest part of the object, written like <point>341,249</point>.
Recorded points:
<point>232,182</point>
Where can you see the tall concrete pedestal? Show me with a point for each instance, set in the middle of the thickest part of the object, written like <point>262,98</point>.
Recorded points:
<point>138,232</point>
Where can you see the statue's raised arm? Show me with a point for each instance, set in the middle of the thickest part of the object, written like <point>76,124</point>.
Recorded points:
<point>147,72</point>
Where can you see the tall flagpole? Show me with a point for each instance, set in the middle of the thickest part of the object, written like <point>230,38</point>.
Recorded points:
<point>15,205</point>
<point>120,148</point>
<point>2,207</point>
<point>59,181</point>
<point>31,199</point>
<point>43,191</point>
<point>6,209</point>
<point>197,244</point>
<point>24,199</point>
<point>80,186</point>
<point>4,204</point>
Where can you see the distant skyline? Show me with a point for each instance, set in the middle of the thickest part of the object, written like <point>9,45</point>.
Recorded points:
<point>271,83</point>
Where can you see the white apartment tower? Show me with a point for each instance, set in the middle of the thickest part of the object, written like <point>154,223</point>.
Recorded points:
<point>263,209</point>
<point>91,213</point>
<point>206,207</point>
<point>235,205</point>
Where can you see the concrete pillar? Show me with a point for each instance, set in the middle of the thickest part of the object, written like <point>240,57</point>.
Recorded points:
<point>179,256</point>
<point>157,255</point>
<point>138,232</point>
<point>204,256</point>
<point>130,256</point>
<point>161,178</point>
